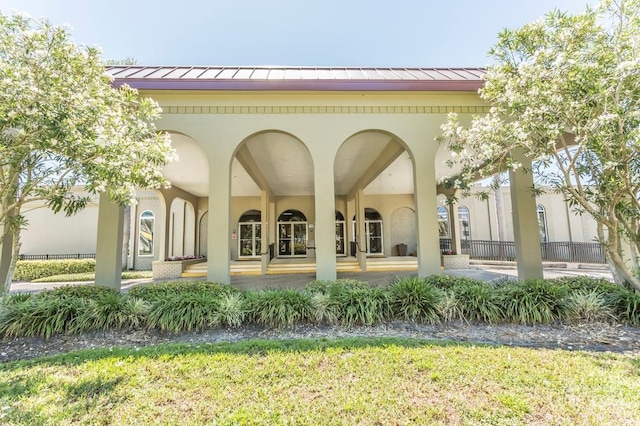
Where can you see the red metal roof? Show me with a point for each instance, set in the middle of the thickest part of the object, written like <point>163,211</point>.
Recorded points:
<point>298,78</point>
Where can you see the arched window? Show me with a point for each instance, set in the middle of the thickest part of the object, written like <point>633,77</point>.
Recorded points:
<point>292,216</point>
<point>145,233</point>
<point>443,222</point>
<point>465,223</point>
<point>251,216</point>
<point>542,222</point>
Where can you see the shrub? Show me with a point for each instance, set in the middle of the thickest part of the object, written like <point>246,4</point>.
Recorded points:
<point>41,316</point>
<point>535,301</point>
<point>184,311</point>
<point>158,291</point>
<point>232,309</point>
<point>79,291</point>
<point>281,308</point>
<point>449,307</point>
<point>415,299</point>
<point>626,305</point>
<point>28,270</point>
<point>324,308</point>
<point>588,305</point>
<point>90,276</point>
<point>361,306</point>
<point>477,301</point>
<point>111,311</point>
<point>444,281</point>
<point>582,283</point>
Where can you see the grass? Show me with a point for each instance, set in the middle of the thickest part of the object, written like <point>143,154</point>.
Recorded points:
<point>322,381</point>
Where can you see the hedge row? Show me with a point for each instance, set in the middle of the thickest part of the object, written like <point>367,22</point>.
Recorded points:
<point>195,306</point>
<point>29,270</point>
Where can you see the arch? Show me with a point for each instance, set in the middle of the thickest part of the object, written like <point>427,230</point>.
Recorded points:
<point>292,215</point>
<point>542,222</point>
<point>146,230</point>
<point>404,230</point>
<point>251,216</point>
<point>339,216</point>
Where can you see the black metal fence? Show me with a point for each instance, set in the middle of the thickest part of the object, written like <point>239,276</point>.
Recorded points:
<point>56,256</point>
<point>561,251</point>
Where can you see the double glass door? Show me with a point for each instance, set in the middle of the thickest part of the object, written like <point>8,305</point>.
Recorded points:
<point>292,239</point>
<point>340,243</point>
<point>250,241</point>
<point>373,236</point>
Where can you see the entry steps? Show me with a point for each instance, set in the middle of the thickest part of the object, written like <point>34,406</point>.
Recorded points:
<point>303,266</point>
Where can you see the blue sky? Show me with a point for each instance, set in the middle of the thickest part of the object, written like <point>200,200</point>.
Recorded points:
<point>398,33</point>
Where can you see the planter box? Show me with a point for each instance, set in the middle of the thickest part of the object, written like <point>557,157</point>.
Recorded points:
<point>168,269</point>
<point>455,261</point>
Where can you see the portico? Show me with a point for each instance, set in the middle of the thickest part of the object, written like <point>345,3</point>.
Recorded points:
<point>305,162</point>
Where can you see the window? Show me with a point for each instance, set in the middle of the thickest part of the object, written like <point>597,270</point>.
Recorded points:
<point>464,221</point>
<point>542,223</point>
<point>145,233</point>
<point>443,222</point>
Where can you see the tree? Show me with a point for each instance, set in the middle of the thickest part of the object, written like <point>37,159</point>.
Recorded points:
<point>565,90</point>
<point>62,125</point>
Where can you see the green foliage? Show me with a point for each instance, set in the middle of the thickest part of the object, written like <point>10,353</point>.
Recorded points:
<point>361,306</point>
<point>90,276</point>
<point>232,309</point>
<point>281,308</point>
<point>626,305</point>
<point>599,285</point>
<point>29,270</point>
<point>155,291</point>
<point>112,311</point>
<point>534,301</point>
<point>415,299</point>
<point>476,301</point>
<point>186,311</point>
<point>588,306</point>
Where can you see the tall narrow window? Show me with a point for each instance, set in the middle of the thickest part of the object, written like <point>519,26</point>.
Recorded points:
<point>145,233</point>
<point>465,223</point>
<point>443,222</point>
<point>542,223</point>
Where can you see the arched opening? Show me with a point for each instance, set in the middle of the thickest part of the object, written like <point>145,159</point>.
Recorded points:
<point>443,222</point>
<point>292,234</point>
<point>374,237</point>
<point>464,219</point>
<point>340,235</point>
<point>250,234</point>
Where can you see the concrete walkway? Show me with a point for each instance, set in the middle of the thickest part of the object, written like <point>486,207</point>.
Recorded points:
<point>484,272</point>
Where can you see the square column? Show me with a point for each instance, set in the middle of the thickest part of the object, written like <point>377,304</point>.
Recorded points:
<point>427,212</point>
<point>525,220</point>
<point>361,237</point>
<point>325,226</point>
<point>264,231</point>
<point>109,243</point>
<point>219,232</point>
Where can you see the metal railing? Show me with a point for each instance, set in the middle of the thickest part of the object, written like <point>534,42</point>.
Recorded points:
<point>56,256</point>
<point>561,251</point>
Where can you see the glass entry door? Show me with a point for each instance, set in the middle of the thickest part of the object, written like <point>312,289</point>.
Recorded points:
<point>292,239</point>
<point>373,230</point>
<point>250,241</point>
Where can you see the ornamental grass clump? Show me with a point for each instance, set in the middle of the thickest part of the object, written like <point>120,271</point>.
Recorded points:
<point>414,299</point>
<point>281,308</point>
<point>534,301</point>
<point>157,291</point>
<point>185,311</point>
<point>112,311</point>
<point>361,306</point>
<point>476,301</point>
<point>232,309</point>
<point>626,305</point>
<point>588,305</point>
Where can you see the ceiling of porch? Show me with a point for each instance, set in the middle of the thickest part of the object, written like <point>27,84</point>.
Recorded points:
<point>283,164</point>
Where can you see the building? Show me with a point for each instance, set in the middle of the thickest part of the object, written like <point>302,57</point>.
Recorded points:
<point>301,162</point>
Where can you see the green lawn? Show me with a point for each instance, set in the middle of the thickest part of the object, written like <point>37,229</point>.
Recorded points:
<point>348,381</point>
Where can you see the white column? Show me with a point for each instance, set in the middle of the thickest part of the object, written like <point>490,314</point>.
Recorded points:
<point>264,230</point>
<point>427,212</point>
<point>525,220</point>
<point>361,237</point>
<point>219,233</point>
<point>325,226</point>
<point>109,243</point>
